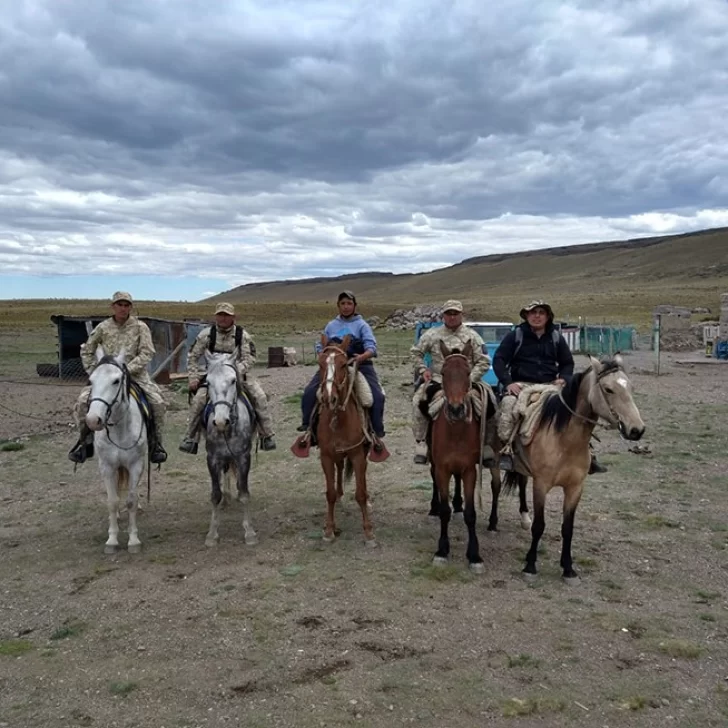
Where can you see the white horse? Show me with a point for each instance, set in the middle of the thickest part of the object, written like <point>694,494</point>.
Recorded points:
<point>228,439</point>
<point>121,442</point>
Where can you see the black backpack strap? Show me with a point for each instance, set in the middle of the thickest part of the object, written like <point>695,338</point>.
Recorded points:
<point>519,342</point>
<point>213,339</point>
<point>238,337</point>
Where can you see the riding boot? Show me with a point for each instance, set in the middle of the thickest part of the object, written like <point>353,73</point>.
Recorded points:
<point>84,447</point>
<point>421,453</point>
<point>595,466</point>
<point>157,453</point>
<point>191,438</point>
<point>268,443</point>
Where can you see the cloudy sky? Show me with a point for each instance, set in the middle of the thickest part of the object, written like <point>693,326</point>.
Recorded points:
<point>182,147</point>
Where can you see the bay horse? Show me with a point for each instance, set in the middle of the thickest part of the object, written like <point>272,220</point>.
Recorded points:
<point>228,441</point>
<point>342,441</point>
<point>455,450</point>
<point>120,439</point>
<point>558,454</point>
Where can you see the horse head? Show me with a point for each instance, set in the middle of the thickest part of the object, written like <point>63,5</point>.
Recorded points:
<point>222,388</point>
<point>612,398</point>
<point>109,386</point>
<point>333,371</point>
<point>456,380</point>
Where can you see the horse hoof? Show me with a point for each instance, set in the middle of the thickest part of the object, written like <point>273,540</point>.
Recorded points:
<point>457,516</point>
<point>134,548</point>
<point>439,561</point>
<point>571,580</point>
<point>529,578</point>
<point>477,568</point>
<point>526,523</point>
<point>251,540</point>
<point>328,539</point>
<point>110,549</point>
<point>371,543</point>
<point>211,542</point>
<point>492,528</point>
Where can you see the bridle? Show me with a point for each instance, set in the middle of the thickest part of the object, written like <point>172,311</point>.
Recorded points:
<point>597,383</point>
<point>232,406</point>
<point>333,401</point>
<point>468,412</point>
<point>121,395</point>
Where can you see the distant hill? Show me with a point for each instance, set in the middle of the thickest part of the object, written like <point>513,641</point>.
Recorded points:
<point>612,281</point>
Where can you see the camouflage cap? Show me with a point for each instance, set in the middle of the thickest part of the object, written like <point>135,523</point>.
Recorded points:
<point>452,305</point>
<point>121,296</point>
<point>537,304</point>
<point>227,308</point>
<point>346,294</point>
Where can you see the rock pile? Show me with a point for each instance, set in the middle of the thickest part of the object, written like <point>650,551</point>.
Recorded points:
<point>404,318</point>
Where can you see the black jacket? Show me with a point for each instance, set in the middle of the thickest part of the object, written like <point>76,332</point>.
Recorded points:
<point>538,361</point>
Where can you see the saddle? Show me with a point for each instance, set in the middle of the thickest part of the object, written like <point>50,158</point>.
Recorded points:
<point>138,395</point>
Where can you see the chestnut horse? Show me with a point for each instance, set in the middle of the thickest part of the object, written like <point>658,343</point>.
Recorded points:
<point>558,454</point>
<point>455,449</point>
<point>342,441</point>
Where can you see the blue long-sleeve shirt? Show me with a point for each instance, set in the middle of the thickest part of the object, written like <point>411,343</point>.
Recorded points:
<point>362,336</point>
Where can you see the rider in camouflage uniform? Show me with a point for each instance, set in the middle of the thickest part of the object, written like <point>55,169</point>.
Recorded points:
<point>120,332</point>
<point>225,332</point>
<point>455,336</point>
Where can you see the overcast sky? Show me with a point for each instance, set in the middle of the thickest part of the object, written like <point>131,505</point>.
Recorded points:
<point>188,146</point>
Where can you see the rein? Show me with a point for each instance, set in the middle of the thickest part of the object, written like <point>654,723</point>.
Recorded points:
<point>599,377</point>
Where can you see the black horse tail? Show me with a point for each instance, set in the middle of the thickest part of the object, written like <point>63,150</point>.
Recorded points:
<point>514,480</point>
<point>348,470</point>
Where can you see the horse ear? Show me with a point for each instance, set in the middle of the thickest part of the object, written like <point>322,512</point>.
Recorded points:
<point>345,343</point>
<point>596,365</point>
<point>443,348</point>
<point>468,349</point>
<point>324,341</point>
<point>121,357</point>
<point>617,358</point>
<point>99,353</point>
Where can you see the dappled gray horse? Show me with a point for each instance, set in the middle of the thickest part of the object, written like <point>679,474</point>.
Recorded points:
<point>228,436</point>
<point>120,440</point>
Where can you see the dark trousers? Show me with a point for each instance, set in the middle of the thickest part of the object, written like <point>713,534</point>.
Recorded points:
<point>308,402</point>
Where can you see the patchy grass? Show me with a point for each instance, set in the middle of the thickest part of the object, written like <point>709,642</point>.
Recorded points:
<point>122,688</point>
<point>516,707</point>
<point>635,702</point>
<point>293,399</point>
<point>655,521</point>
<point>68,630</point>
<point>680,648</point>
<point>12,446</point>
<point>523,660</point>
<point>15,648</point>
<point>444,573</point>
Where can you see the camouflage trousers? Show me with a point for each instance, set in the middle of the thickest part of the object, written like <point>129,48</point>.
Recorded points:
<point>151,390</point>
<point>257,397</point>
<point>419,421</point>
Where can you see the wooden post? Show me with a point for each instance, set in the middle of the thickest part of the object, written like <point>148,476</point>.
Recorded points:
<point>656,326</point>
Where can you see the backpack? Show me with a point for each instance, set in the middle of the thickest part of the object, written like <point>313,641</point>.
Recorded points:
<point>213,338</point>
<point>555,336</point>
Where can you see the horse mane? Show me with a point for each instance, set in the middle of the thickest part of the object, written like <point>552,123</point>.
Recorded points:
<point>557,413</point>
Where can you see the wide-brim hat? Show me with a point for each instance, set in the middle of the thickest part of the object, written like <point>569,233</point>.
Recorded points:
<point>537,304</point>
<point>227,308</point>
<point>121,296</point>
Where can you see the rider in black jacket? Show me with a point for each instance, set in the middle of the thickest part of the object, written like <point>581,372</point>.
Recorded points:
<point>535,353</point>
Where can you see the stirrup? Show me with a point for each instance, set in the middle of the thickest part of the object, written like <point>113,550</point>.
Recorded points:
<point>189,446</point>
<point>267,443</point>
<point>158,455</point>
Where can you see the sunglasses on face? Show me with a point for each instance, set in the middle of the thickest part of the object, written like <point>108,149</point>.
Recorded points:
<point>123,304</point>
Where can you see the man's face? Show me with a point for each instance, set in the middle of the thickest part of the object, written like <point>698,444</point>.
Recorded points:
<point>224,320</point>
<point>537,318</point>
<point>346,307</point>
<point>452,319</point>
<point>121,311</point>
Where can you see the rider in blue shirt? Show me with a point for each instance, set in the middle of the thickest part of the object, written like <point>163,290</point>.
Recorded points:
<point>363,348</point>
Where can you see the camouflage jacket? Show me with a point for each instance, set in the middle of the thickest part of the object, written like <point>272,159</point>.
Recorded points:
<point>224,344</point>
<point>429,343</point>
<point>133,336</point>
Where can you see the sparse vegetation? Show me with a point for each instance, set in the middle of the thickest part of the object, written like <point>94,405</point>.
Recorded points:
<point>15,648</point>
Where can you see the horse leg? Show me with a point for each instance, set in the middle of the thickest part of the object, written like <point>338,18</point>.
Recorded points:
<point>359,461</point>
<point>496,483</point>
<point>340,480</point>
<point>539,504</point>
<point>213,536</point>
<point>442,476</point>
<point>473,550</point>
<point>327,463</point>
<point>243,468</point>
<point>572,496</point>
<point>133,476</point>
<point>109,476</point>
<point>523,504</point>
<point>457,501</point>
<point>435,502</point>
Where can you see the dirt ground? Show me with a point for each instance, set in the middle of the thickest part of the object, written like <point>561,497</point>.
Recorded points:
<point>294,632</point>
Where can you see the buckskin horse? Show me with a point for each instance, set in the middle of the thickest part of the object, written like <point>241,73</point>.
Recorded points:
<point>121,442</point>
<point>341,437</point>
<point>558,453</point>
<point>455,449</point>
